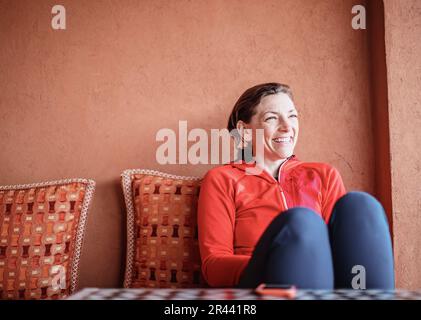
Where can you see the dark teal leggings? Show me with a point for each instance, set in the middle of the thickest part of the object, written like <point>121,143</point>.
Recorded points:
<point>298,248</point>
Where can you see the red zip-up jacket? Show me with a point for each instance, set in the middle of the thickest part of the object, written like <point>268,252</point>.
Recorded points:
<point>235,208</point>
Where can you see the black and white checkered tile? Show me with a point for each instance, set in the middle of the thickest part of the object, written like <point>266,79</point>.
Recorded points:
<point>238,294</point>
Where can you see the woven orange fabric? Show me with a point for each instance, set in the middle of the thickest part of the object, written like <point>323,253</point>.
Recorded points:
<point>41,233</point>
<point>162,239</point>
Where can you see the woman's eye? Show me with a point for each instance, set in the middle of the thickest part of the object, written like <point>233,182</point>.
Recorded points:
<point>293,116</point>
<point>270,118</point>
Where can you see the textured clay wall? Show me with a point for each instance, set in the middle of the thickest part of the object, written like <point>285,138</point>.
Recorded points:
<point>87,101</point>
<point>403,47</point>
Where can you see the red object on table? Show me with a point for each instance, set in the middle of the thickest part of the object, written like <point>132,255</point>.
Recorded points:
<point>288,292</point>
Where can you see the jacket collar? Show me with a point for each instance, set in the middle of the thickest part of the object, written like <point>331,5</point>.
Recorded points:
<point>242,165</point>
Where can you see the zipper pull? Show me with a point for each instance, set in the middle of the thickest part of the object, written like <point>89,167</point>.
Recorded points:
<point>284,200</point>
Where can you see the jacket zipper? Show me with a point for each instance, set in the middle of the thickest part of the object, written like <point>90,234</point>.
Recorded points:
<point>284,200</point>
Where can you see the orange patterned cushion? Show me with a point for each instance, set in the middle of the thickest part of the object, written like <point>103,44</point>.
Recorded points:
<point>162,244</point>
<point>41,233</point>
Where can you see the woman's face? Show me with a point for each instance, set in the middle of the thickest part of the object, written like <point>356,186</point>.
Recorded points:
<point>277,116</point>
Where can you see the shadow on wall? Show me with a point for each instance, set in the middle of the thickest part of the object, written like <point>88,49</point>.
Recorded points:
<point>104,248</point>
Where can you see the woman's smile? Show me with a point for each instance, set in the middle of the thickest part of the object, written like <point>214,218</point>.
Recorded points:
<point>283,140</point>
<point>271,126</point>
<point>278,117</point>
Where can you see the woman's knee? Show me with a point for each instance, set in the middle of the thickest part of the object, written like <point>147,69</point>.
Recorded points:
<point>359,198</point>
<point>300,225</point>
<point>357,205</point>
<point>301,216</point>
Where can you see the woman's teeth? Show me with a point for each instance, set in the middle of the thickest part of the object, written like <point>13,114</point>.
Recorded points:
<point>278,140</point>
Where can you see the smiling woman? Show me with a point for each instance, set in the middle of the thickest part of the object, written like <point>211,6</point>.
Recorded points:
<point>278,117</point>
<point>291,222</point>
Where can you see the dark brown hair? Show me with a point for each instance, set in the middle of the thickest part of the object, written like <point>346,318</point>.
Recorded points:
<point>245,107</point>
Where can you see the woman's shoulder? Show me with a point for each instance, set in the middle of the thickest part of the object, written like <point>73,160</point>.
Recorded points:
<point>224,172</point>
<point>222,178</point>
<point>322,168</point>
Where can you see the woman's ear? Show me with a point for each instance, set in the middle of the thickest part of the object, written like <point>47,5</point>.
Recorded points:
<point>241,127</point>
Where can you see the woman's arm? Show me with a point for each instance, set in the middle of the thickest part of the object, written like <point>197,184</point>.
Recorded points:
<point>334,189</point>
<point>216,222</point>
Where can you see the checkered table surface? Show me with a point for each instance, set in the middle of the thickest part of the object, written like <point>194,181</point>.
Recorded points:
<point>238,294</point>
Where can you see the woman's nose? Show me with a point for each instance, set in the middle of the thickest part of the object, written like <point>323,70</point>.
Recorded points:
<point>284,125</point>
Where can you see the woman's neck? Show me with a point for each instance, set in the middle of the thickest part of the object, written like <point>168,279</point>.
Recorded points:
<point>271,166</point>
